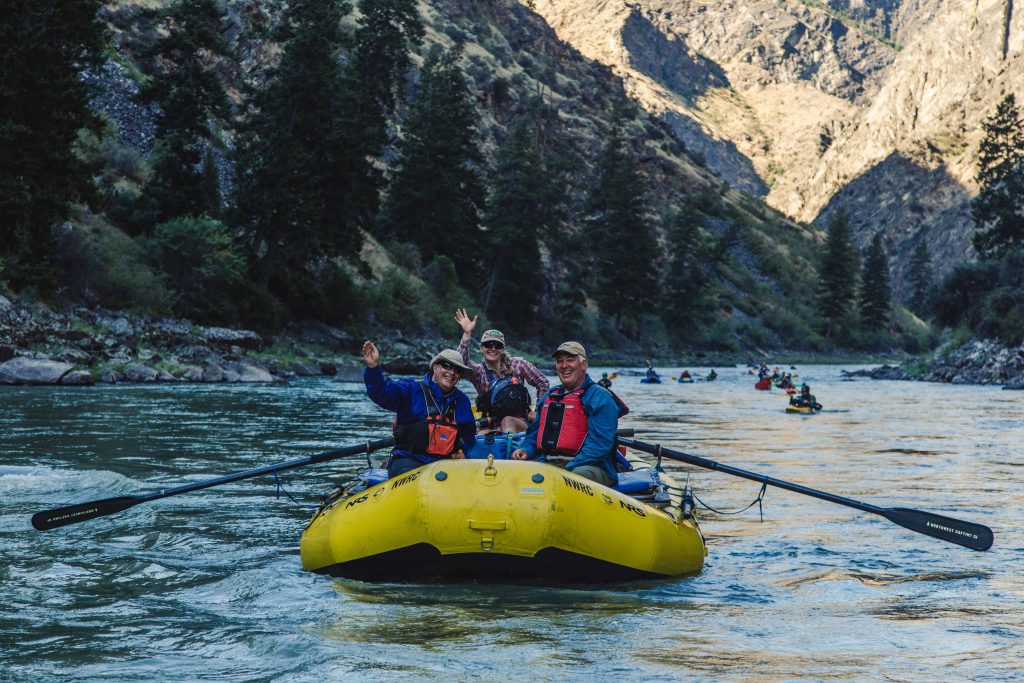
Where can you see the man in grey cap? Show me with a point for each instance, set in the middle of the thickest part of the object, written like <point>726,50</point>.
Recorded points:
<point>433,420</point>
<point>577,421</point>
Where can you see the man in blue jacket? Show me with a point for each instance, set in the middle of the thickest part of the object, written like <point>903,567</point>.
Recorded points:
<point>434,420</point>
<point>576,421</point>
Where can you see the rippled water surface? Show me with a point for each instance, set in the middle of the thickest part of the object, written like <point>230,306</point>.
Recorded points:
<point>209,586</point>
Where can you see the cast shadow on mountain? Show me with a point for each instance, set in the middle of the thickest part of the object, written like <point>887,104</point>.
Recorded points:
<point>668,61</point>
<point>913,202</point>
<point>721,156</point>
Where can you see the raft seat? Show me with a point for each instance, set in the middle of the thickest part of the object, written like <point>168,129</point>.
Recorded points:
<point>377,475</point>
<point>636,482</point>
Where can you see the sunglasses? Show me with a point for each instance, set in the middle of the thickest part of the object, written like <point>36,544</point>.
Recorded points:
<point>493,345</point>
<point>446,365</point>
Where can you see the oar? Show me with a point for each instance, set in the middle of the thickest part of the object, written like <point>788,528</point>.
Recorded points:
<point>967,534</point>
<point>72,514</point>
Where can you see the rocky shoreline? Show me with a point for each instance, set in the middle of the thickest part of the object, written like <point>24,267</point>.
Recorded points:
<point>973,362</point>
<point>85,346</point>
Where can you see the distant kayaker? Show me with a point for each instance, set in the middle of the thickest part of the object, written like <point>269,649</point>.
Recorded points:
<point>685,375</point>
<point>500,381</point>
<point>805,399</point>
<point>604,381</point>
<point>434,420</point>
<point>712,376</point>
<point>577,421</point>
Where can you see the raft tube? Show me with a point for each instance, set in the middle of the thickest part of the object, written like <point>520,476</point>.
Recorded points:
<point>500,520</point>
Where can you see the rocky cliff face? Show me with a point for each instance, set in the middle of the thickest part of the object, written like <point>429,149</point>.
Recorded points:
<point>871,105</point>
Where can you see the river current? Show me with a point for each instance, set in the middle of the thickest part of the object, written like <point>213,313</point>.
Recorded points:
<point>208,585</point>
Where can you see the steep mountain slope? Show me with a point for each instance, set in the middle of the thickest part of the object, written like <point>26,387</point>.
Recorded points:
<point>761,290</point>
<point>875,106</point>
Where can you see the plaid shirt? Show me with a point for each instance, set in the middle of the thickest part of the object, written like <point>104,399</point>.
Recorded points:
<point>522,369</point>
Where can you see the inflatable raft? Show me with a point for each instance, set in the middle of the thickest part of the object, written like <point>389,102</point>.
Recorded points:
<point>504,519</point>
<point>802,410</point>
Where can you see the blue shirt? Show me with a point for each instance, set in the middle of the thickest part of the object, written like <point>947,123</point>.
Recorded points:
<point>405,398</point>
<point>602,423</point>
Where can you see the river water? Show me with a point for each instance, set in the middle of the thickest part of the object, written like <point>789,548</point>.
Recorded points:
<point>208,585</point>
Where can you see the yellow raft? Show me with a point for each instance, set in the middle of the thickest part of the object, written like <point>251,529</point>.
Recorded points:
<point>806,410</point>
<point>502,519</point>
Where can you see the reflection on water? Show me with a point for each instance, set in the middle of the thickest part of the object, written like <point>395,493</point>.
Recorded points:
<point>209,584</point>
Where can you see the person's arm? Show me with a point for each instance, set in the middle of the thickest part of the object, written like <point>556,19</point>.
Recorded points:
<point>467,424</point>
<point>468,325</point>
<point>533,376</point>
<point>528,448</point>
<point>385,393</point>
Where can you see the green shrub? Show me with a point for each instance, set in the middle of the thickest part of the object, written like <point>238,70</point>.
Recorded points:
<point>203,263</point>
<point>98,262</point>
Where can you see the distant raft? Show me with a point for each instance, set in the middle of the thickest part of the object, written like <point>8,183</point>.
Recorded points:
<point>505,519</point>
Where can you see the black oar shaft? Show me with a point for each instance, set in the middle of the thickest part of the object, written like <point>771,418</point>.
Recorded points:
<point>949,529</point>
<point>271,469</point>
<point>80,512</point>
<point>753,476</point>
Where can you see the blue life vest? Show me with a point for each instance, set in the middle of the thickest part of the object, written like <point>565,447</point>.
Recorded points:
<point>498,444</point>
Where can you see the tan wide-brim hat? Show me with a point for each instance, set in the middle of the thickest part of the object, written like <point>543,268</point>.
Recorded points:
<point>453,357</point>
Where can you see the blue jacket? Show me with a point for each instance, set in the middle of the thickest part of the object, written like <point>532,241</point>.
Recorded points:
<point>405,398</point>
<point>602,423</point>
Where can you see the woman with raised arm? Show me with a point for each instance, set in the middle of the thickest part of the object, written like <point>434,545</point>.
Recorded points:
<point>501,380</point>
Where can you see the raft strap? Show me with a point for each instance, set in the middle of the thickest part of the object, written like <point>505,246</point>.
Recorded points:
<point>758,500</point>
<point>281,488</point>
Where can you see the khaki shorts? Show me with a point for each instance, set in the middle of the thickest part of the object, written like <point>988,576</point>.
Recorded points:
<point>594,473</point>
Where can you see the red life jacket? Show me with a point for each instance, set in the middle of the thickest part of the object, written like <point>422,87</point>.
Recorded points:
<point>437,434</point>
<point>563,423</point>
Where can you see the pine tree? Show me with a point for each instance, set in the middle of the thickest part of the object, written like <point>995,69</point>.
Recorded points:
<point>44,104</point>
<point>523,205</point>
<point>837,274</point>
<point>875,297</point>
<point>686,280</point>
<point>301,180</point>
<point>998,209</point>
<point>388,31</point>
<point>622,237</point>
<point>436,194</point>
<point>189,97</point>
<point>922,280</point>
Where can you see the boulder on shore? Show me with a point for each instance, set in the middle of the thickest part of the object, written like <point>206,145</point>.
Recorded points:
<point>23,370</point>
<point>80,378</point>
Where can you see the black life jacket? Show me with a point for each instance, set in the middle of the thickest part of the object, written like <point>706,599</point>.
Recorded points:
<point>437,434</point>
<point>508,397</point>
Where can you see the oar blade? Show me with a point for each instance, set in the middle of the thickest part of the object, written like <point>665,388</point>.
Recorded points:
<point>967,534</point>
<point>73,514</point>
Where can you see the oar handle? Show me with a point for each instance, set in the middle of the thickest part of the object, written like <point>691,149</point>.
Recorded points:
<point>958,531</point>
<point>81,512</point>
